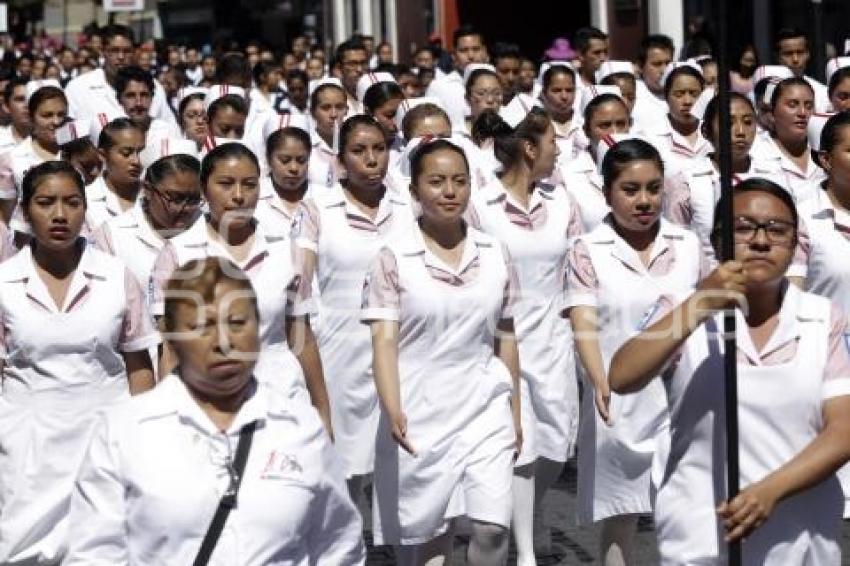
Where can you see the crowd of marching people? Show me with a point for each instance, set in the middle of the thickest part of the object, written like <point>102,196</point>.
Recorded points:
<point>242,290</point>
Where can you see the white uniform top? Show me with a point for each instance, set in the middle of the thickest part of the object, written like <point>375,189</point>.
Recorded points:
<point>648,108</point>
<point>538,239</point>
<point>822,102</point>
<point>90,94</point>
<point>345,242</point>
<point>780,412</point>
<point>156,471</point>
<point>454,391</point>
<point>7,138</point>
<point>23,158</point>
<point>678,153</point>
<point>61,366</point>
<point>130,237</point>
<point>102,204</point>
<point>323,169</point>
<point>822,257</point>
<point>606,273</point>
<point>801,184</point>
<point>158,131</point>
<point>584,184</point>
<point>451,92</point>
<point>271,212</point>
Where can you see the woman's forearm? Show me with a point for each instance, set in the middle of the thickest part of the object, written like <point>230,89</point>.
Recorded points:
<point>585,325</point>
<point>385,364</point>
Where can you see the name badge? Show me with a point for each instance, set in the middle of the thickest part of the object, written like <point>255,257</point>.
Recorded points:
<point>281,466</point>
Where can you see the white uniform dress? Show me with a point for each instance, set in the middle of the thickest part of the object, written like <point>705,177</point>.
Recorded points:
<point>821,259</point>
<point>14,164</point>
<point>323,169</point>
<point>538,240</point>
<point>781,391</point>
<point>676,150</point>
<point>454,391</point>
<point>606,273</point>
<point>584,184</point>
<point>102,204</point>
<point>801,184</point>
<point>156,470</point>
<point>345,242</point>
<point>61,367</point>
<point>271,212</point>
<point>269,266</point>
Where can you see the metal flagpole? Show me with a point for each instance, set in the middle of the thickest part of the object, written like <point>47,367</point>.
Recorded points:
<point>728,253</point>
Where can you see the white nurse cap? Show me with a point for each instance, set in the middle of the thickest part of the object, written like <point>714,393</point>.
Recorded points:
<point>99,122</point>
<point>220,91</point>
<point>286,120</point>
<point>701,103</point>
<point>369,79</point>
<point>409,104</point>
<point>771,71</point>
<point>316,83</point>
<point>815,128</point>
<point>609,68</point>
<point>588,93</point>
<point>33,86</point>
<point>834,64</point>
<point>472,67</point>
<point>678,65</point>
<point>73,130</point>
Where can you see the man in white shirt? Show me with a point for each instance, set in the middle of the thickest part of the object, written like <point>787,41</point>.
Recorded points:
<point>94,92</point>
<point>194,72</point>
<point>134,87</point>
<point>449,88</point>
<point>656,52</point>
<point>15,105</point>
<point>353,61</point>
<point>592,46</point>
<point>792,50</point>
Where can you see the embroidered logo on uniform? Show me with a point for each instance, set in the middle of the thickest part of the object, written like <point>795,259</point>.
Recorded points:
<point>297,221</point>
<point>648,316</point>
<point>280,466</point>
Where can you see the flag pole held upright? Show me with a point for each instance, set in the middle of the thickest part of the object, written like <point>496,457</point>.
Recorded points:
<point>728,253</point>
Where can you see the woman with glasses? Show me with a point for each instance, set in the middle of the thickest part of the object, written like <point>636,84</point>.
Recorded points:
<point>793,401</point>
<point>193,118</point>
<point>483,92</point>
<point>74,339</point>
<point>615,274</point>
<point>159,466</point>
<point>169,204</point>
<point>230,181</point>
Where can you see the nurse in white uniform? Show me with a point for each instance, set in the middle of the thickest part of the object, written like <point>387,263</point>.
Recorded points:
<point>328,108</point>
<point>340,231</point>
<point>605,114</point>
<point>230,183</point>
<point>691,196</point>
<point>820,263</point>
<point>787,148</point>
<point>677,135</point>
<point>159,465</point>
<point>535,222</point>
<point>48,109</point>
<point>439,298</point>
<point>74,339</point>
<point>615,275</point>
<point>117,190</point>
<point>283,189</point>
<point>558,97</point>
<point>169,204</point>
<point>793,403</point>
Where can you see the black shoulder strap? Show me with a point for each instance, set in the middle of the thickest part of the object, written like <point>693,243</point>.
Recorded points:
<point>228,501</point>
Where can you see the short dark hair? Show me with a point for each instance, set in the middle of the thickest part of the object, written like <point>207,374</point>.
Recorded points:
<point>379,94</point>
<point>44,94</point>
<point>831,130</point>
<point>501,50</point>
<point>222,152</point>
<point>686,70</point>
<point>112,31</point>
<point>654,41</point>
<point>132,73</point>
<point>554,70</point>
<point>13,83</point>
<point>233,68</point>
<point>295,74</point>
<point>790,33</point>
<point>34,177</point>
<point>466,31</point>
<point>582,37</point>
<point>836,78</point>
<point>623,153</point>
<point>353,44</point>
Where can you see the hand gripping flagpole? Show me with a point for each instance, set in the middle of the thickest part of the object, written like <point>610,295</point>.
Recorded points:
<point>728,253</point>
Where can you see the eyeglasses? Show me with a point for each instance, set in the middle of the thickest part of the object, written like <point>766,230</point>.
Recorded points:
<point>778,232</point>
<point>485,94</point>
<point>180,202</point>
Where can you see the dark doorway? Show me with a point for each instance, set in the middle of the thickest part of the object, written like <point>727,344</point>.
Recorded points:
<point>532,24</point>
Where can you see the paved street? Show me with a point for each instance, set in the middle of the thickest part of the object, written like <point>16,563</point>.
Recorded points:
<point>570,544</point>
